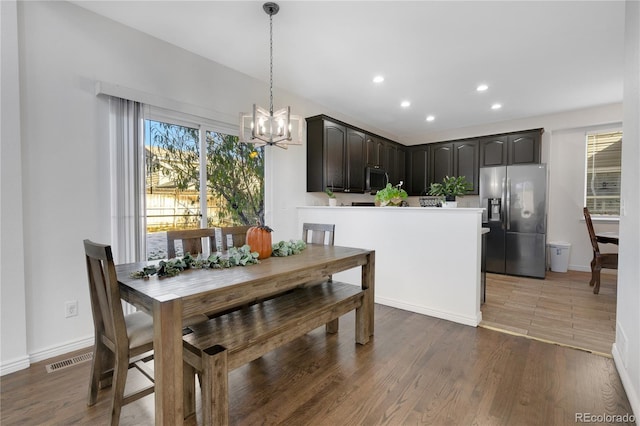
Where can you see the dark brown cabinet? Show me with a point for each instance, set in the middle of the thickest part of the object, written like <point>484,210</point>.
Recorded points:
<point>440,162</point>
<point>371,151</point>
<point>355,163</point>
<point>417,169</point>
<point>524,148</point>
<point>465,162</point>
<point>515,148</point>
<point>335,156</point>
<point>338,154</point>
<point>394,162</point>
<point>458,158</point>
<point>401,166</point>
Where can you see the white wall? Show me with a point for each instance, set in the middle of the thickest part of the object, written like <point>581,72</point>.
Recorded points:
<point>626,350</point>
<point>13,346</point>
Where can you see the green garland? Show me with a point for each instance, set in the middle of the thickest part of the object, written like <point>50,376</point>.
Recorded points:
<point>242,256</point>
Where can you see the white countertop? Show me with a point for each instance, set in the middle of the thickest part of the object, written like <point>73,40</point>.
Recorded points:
<point>456,210</point>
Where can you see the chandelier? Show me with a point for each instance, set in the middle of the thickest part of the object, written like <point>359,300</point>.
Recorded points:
<point>264,127</point>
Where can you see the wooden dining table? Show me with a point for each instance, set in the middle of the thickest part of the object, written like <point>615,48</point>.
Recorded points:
<point>207,291</point>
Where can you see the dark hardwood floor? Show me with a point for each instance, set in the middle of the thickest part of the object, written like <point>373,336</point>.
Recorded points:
<point>416,370</point>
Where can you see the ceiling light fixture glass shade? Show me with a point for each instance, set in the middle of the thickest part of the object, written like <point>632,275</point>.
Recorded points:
<point>266,127</point>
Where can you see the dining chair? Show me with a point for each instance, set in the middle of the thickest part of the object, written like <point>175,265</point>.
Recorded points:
<point>321,233</point>
<point>191,240</point>
<point>120,340</point>
<point>600,260</point>
<point>231,236</point>
<point>318,233</point>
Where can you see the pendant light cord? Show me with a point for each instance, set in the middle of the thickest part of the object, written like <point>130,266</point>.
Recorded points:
<point>271,64</point>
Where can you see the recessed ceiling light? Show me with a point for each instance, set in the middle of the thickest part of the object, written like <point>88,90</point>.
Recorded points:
<point>378,79</point>
<point>482,88</point>
<point>430,118</point>
<point>496,106</point>
<point>405,104</point>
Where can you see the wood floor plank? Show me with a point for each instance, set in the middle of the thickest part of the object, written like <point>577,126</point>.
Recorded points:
<point>561,308</point>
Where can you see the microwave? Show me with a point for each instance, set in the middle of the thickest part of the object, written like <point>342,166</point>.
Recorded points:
<point>376,178</point>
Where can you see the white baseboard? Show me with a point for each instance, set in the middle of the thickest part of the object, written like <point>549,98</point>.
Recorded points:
<point>62,349</point>
<point>632,394</point>
<point>14,365</point>
<point>449,316</point>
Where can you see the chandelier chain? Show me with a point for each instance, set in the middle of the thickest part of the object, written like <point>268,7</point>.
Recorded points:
<point>271,64</point>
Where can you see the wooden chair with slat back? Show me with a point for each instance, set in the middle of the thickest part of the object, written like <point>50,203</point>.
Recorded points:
<point>320,233</point>
<point>118,338</point>
<point>600,260</point>
<point>238,234</point>
<point>191,240</point>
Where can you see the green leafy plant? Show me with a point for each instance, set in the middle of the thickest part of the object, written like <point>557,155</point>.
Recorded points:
<point>451,187</point>
<point>287,248</point>
<point>235,256</point>
<point>391,195</point>
<point>330,193</point>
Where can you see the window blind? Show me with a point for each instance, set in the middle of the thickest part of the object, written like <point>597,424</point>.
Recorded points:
<point>604,165</point>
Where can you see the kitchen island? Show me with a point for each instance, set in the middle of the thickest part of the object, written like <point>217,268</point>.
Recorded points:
<point>427,259</point>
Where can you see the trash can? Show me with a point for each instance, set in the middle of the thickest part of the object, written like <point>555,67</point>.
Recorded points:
<point>559,253</point>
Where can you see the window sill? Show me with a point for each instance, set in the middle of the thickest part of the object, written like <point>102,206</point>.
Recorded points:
<point>604,219</point>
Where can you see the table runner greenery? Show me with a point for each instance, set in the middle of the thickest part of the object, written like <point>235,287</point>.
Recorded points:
<point>235,256</point>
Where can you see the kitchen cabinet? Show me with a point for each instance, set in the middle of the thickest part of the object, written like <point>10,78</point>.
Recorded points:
<point>355,163</point>
<point>524,148</point>
<point>417,169</point>
<point>465,162</point>
<point>508,149</point>
<point>440,162</point>
<point>393,161</point>
<point>457,158</point>
<point>371,151</point>
<point>338,154</point>
<point>335,156</point>
<point>401,166</point>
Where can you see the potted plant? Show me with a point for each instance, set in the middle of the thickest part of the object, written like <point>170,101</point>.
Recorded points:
<point>450,188</point>
<point>390,195</point>
<point>332,197</point>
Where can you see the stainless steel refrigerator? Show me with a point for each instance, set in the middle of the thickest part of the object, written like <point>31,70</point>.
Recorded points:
<point>514,198</point>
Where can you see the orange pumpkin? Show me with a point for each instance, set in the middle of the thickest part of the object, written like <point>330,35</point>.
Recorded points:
<point>259,239</point>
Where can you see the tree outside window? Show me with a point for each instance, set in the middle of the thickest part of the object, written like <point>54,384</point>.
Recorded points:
<point>234,181</point>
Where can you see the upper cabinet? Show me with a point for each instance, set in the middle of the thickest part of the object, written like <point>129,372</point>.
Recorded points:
<point>326,154</point>
<point>417,169</point>
<point>465,162</point>
<point>336,156</point>
<point>355,162</point>
<point>440,162</point>
<point>524,147</point>
<point>458,158</point>
<point>515,148</point>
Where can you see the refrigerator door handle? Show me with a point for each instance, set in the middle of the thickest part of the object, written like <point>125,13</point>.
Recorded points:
<point>503,202</point>
<point>508,206</point>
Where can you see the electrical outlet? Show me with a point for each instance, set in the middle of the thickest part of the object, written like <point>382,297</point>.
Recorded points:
<point>71,308</point>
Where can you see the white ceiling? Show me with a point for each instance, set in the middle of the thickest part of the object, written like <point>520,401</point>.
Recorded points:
<point>537,57</point>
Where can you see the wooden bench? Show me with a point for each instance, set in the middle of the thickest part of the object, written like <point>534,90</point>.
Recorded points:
<point>236,338</point>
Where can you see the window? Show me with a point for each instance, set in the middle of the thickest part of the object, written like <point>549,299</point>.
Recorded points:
<point>185,190</point>
<point>603,171</point>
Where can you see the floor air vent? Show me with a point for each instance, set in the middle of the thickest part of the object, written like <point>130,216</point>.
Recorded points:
<point>69,362</point>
